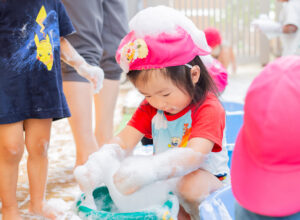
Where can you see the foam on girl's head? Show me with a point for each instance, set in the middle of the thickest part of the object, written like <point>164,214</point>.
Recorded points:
<point>155,20</point>
<point>160,37</point>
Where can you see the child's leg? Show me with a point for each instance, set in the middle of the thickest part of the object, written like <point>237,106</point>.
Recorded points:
<point>105,103</point>
<point>37,135</point>
<point>11,151</point>
<point>194,187</point>
<point>79,97</point>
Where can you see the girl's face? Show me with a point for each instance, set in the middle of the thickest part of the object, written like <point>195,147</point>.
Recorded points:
<point>163,94</point>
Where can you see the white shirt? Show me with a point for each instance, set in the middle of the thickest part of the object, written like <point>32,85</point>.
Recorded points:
<point>290,14</point>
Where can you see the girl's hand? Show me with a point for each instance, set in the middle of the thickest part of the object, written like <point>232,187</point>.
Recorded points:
<point>134,173</point>
<point>90,175</point>
<point>92,73</point>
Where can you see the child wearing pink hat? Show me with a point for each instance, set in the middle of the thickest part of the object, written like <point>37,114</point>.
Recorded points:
<point>215,68</point>
<point>162,56</point>
<point>222,52</point>
<point>266,159</point>
<point>213,37</point>
<point>218,73</point>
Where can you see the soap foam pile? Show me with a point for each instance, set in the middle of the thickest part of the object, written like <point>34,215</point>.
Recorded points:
<point>102,169</point>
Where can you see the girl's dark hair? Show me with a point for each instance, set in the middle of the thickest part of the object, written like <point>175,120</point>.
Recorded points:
<point>181,77</point>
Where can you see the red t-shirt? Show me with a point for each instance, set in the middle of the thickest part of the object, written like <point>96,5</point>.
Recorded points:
<point>207,120</point>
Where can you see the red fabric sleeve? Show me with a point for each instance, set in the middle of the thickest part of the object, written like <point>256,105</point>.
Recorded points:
<point>141,119</point>
<point>208,121</point>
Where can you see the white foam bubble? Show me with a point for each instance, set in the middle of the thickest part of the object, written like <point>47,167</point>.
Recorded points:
<point>149,196</point>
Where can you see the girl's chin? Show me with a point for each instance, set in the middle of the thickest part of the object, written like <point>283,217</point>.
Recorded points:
<point>172,112</point>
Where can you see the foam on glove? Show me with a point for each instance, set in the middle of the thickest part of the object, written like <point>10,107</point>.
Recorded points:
<point>93,73</point>
<point>267,26</point>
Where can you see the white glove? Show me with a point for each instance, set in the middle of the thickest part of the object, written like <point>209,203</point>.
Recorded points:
<point>92,73</point>
<point>90,175</point>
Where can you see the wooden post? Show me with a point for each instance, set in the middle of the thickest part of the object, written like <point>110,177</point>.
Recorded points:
<point>264,44</point>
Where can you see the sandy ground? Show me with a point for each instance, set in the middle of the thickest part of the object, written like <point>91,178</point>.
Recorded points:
<point>61,184</point>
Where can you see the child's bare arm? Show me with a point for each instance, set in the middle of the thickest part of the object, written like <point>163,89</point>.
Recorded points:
<point>181,161</point>
<point>70,56</point>
<point>184,160</point>
<point>128,138</point>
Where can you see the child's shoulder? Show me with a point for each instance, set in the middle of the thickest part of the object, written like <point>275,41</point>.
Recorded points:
<point>211,104</point>
<point>211,99</point>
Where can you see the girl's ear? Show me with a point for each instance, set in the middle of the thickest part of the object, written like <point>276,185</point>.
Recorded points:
<point>195,73</point>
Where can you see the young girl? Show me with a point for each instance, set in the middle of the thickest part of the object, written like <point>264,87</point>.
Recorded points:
<point>31,92</point>
<point>218,73</point>
<point>181,111</point>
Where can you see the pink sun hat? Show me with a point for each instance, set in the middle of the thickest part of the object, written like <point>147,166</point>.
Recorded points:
<point>219,74</point>
<point>160,37</point>
<point>266,159</point>
<point>213,37</point>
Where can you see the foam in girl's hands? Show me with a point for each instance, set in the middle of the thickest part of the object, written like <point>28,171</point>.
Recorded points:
<point>80,174</point>
<point>90,175</point>
<point>150,196</point>
<point>101,167</point>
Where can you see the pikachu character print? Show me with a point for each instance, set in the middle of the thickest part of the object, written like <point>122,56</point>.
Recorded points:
<point>44,51</point>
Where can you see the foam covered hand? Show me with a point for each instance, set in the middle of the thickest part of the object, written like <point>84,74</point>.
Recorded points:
<point>90,175</point>
<point>134,173</point>
<point>267,26</point>
<point>92,73</point>
<point>70,56</point>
